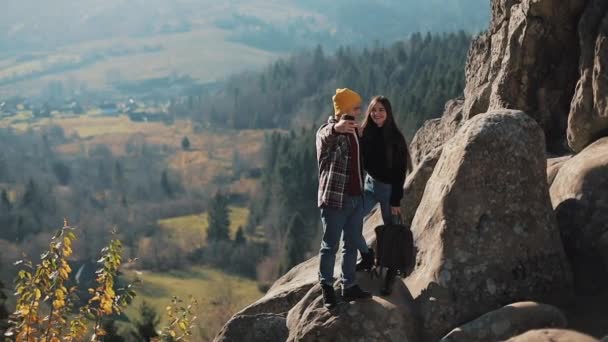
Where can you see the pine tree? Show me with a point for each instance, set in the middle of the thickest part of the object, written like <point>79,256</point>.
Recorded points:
<point>298,242</point>
<point>185,144</point>
<point>5,201</point>
<point>146,326</point>
<point>111,331</point>
<point>219,219</point>
<point>165,184</point>
<point>240,238</point>
<point>62,172</point>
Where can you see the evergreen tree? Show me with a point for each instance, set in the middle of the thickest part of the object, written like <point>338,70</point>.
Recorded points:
<point>219,219</point>
<point>31,197</point>
<point>165,184</point>
<point>240,238</point>
<point>298,242</point>
<point>4,313</point>
<point>146,326</point>
<point>118,176</point>
<point>5,202</point>
<point>111,331</point>
<point>185,144</point>
<point>62,172</point>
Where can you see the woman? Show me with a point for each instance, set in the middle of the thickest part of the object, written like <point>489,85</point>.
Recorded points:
<point>385,158</point>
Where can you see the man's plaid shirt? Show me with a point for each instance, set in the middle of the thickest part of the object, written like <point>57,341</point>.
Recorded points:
<point>333,157</point>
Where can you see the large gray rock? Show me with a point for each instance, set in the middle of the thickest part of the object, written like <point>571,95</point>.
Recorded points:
<point>485,230</point>
<point>416,183</point>
<point>434,133</point>
<point>579,195</point>
<point>588,118</point>
<point>553,166</point>
<point>255,328</point>
<point>553,335</point>
<point>507,322</point>
<point>376,319</point>
<point>527,60</point>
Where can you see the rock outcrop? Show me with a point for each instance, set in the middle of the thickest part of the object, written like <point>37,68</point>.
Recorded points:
<point>434,133</point>
<point>588,118</point>
<point>485,229</point>
<point>377,319</point>
<point>553,335</point>
<point>509,321</point>
<point>553,166</point>
<point>579,195</point>
<point>416,183</point>
<point>255,328</point>
<point>527,60</point>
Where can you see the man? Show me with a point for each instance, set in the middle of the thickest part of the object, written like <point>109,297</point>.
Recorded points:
<point>340,196</point>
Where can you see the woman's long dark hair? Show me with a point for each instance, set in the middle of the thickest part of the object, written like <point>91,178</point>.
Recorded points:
<point>393,137</point>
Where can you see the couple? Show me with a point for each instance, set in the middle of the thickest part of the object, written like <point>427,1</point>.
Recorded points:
<point>345,151</point>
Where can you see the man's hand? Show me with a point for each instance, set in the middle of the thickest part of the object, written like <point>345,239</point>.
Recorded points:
<point>346,126</point>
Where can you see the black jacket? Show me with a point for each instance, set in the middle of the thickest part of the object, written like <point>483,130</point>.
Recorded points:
<point>386,163</point>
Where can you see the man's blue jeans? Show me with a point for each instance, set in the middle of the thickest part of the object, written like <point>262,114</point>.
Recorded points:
<point>348,222</point>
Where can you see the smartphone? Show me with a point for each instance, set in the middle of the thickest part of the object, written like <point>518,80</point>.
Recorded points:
<point>348,117</point>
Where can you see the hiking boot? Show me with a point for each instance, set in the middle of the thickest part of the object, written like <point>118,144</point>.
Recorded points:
<point>389,281</point>
<point>367,261</point>
<point>329,296</point>
<point>355,293</point>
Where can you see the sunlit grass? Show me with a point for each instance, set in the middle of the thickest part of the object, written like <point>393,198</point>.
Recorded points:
<point>194,227</point>
<point>207,285</point>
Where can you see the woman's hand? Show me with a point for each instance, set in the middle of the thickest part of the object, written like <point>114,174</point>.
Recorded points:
<point>396,211</point>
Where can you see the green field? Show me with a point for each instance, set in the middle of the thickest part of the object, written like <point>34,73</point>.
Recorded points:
<point>219,295</point>
<point>191,230</point>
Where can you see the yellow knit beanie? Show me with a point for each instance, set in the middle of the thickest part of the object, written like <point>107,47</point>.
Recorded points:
<point>345,100</point>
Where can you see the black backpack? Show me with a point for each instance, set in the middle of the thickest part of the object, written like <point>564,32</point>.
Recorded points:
<point>395,247</point>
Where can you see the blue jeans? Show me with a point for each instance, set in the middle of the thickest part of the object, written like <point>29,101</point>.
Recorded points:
<point>346,222</point>
<point>375,192</point>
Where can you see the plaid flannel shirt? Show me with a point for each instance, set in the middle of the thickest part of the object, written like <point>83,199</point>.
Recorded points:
<point>333,157</point>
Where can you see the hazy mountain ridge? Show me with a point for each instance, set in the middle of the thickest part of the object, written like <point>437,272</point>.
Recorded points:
<point>205,40</point>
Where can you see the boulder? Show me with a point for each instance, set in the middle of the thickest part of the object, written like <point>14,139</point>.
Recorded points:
<point>553,166</point>
<point>416,183</point>
<point>588,118</point>
<point>485,230</point>
<point>256,328</point>
<point>579,195</point>
<point>507,322</point>
<point>527,60</point>
<point>377,319</point>
<point>553,335</point>
<point>434,133</point>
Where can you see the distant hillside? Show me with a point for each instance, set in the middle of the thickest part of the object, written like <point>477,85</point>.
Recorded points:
<point>94,44</point>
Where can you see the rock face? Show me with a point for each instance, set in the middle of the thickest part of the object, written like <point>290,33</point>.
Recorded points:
<point>416,183</point>
<point>507,322</point>
<point>528,61</point>
<point>377,319</point>
<point>588,118</point>
<point>257,328</point>
<point>552,335</point>
<point>553,166</point>
<point>434,133</point>
<point>485,230</point>
<point>579,195</point>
